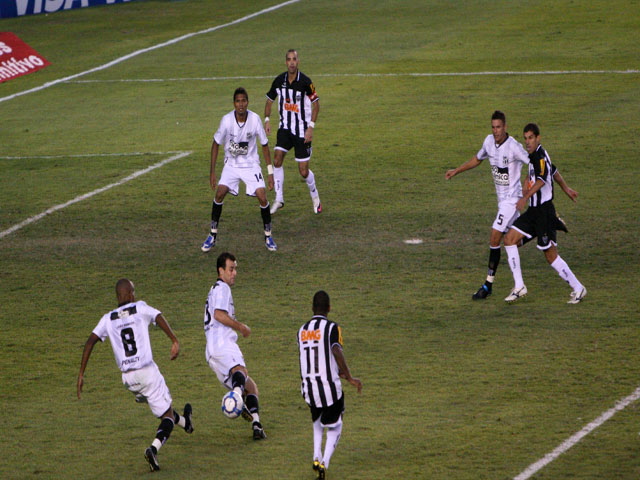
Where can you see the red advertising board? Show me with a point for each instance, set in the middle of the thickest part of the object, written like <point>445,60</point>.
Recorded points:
<point>17,58</point>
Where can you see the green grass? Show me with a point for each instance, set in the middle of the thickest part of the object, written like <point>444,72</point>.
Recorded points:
<point>452,389</point>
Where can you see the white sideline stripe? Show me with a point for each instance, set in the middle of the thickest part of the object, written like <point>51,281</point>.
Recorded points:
<point>571,441</point>
<point>83,155</point>
<point>80,198</point>
<point>408,74</point>
<point>148,49</point>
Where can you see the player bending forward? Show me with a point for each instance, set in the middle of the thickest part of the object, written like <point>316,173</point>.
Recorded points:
<point>322,363</point>
<point>222,353</point>
<point>128,330</point>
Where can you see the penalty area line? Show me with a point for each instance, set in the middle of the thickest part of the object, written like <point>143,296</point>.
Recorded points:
<point>85,196</point>
<point>571,441</point>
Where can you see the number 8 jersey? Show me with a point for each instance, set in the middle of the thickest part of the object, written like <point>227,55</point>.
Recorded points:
<point>128,330</point>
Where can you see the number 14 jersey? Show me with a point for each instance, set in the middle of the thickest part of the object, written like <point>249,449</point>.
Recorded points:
<point>128,330</point>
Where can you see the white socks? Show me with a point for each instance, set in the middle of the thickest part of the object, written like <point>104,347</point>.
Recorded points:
<point>514,264</point>
<point>311,183</point>
<point>278,176</point>
<point>318,431</point>
<point>560,266</point>
<point>333,436</point>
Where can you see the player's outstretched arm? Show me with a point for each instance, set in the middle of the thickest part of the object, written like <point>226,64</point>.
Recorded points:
<point>225,319</point>
<point>175,345</point>
<point>344,368</point>
<point>571,193</point>
<point>468,165</point>
<point>86,353</point>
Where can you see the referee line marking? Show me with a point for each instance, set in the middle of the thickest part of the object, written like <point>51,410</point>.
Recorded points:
<point>571,441</point>
<point>85,196</point>
<point>148,49</point>
<point>407,74</point>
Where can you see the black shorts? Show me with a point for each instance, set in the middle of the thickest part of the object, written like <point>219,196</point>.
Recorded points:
<point>328,415</point>
<point>287,140</point>
<point>538,222</point>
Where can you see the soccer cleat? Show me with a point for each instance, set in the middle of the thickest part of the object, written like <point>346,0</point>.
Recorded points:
<point>516,294</point>
<point>317,206</point>
<point>150,455</point>
<point>209,243</point>
<point>576,297</point>
<point>561,225</point>
<point>258,432</point>
<point>316,465</point>
<point>186,413</point>
<point>482,293</point>
<point>276,206</point>
<point>246,414</point>
<point>270,243</point>
<point>322,472</point>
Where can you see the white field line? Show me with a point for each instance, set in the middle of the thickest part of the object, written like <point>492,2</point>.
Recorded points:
<point>145,50</point>
<point>83,155</point>
<point>80,198</point>
<point>407,74</point>
<point>571,441</point>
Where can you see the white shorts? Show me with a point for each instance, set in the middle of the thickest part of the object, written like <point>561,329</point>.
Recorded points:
<point>251,176</point>
<point>224,360</point>
<point>507,214</point>
<point>149,383</point>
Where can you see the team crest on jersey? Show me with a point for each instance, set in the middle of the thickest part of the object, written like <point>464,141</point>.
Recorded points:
<point>505,160</point>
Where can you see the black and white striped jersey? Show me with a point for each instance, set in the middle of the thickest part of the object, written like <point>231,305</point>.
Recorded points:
<point>319,371</point>
<point>540,167</point>
<point>294,101</point>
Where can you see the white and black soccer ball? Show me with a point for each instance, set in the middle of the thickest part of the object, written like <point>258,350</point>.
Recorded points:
<point>232,404</point>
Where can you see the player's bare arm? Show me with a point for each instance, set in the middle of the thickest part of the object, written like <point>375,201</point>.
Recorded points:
<point>267,159</point>
<point>225,319</point>
<point>468,165</point>
<point>315,109</point>
<point>530,192</point>
<point>571,193</point>
<point>86,353</point>
<point>344,369</point>
<point>267,113</point>
<point>212,173</point>
<point>175,345</point>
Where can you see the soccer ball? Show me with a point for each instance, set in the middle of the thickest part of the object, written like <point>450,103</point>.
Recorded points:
<point>232,404</point>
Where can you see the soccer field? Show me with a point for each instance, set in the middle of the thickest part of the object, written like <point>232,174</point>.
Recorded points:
<point>104,161</point>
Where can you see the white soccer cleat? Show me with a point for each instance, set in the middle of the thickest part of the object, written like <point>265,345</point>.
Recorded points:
<point>317,206</point>
<point>276,206</point>
<point>516,294</point>
<point>576,297</point>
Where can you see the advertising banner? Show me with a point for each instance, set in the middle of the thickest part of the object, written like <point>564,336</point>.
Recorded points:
<point>18,8</point>
<point>17,58</point>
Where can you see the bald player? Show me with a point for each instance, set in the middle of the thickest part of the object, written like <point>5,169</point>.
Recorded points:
<point>128,330</point>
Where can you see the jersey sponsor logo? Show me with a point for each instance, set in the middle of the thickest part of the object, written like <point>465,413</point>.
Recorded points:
<point>240,148</point>
<point>500,175</point>
<point>308,335</point>
<point>129,361</point>
<point>291,107</point>
<point>124,313</point>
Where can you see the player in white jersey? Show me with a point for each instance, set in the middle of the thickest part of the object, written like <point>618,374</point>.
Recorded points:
<point>322,363</point>
<point>506,157</point>
<point>222,353</point>
<point>239,132</point>
<point>539,220</point>
<point>298,107</point>
<point>128,330</point>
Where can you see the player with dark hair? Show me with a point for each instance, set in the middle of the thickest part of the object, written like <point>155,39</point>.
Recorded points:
<point>322,364</point>
<point>298,107</point>
<point>128,330</point>
<point>538,221</point>
<point>222,353</point>
<point>239,131</point>
<point>506,157</point>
